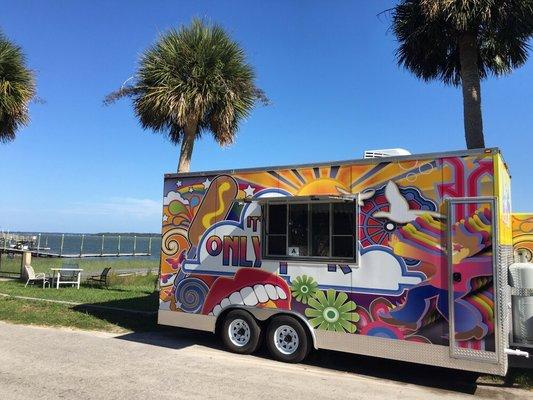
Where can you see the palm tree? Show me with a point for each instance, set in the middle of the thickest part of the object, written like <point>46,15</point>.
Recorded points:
<point>460,42</point>
<point>17,89</point>
<point>192,80</point>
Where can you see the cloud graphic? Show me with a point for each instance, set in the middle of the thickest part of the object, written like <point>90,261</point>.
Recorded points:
<point>206,263</point>
<point>171,196</point>
<point>377,271</point>
<point>381,270</point>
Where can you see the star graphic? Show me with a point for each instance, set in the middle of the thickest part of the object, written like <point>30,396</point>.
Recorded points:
<point>178,183</point>
<point>206,183</point>
<point>249,191</point>
<point>457,247</point>
<point>165,218</point>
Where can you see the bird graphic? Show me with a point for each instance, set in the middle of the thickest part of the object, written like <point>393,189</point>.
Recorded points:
<point>361,197</point>
<point>399,210</point>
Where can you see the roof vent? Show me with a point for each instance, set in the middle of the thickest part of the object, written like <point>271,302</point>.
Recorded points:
<point>386,153</point>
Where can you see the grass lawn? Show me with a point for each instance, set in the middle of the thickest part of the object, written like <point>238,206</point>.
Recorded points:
<point>131,292</point>
<point>40,313</point>
<point>517,377</point>
<point>89,265</point>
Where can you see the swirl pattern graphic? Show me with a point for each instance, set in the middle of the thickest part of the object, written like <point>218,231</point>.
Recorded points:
<point>190,294</point>
<point>173,241</point>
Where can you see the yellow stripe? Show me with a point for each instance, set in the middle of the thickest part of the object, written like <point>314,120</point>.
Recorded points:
<point>206,220</point>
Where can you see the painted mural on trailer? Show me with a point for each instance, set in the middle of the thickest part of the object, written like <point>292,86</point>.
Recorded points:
<point>395,288</point>
<point>523,237</point>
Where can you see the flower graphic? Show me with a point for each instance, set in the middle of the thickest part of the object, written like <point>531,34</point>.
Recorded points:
<point>304,288</point>
<point>332,312</point>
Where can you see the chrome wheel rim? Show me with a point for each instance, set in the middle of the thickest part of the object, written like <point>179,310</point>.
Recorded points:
<point>286,339</point>
<point>239,332</point>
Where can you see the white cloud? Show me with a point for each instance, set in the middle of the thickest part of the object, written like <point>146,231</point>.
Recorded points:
<point>117,206</point>
<point>114,214</point>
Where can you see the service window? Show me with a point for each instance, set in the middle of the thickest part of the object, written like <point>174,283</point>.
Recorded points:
<point>277,230</point>
<point>310,229</point>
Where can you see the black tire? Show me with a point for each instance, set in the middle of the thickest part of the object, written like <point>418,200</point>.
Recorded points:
<point>243,321</point>
<point>289,327</point>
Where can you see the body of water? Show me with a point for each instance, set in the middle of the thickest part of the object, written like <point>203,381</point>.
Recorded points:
<point>76,244</point>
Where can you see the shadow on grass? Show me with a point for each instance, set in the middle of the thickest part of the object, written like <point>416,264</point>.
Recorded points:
<point>138,314</point>
<point>113,288</point>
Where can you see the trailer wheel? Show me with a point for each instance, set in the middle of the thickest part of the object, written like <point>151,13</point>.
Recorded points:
<point>287,340</point>
<point>240,332</point>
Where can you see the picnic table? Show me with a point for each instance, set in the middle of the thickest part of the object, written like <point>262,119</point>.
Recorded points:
<point>71,271</point>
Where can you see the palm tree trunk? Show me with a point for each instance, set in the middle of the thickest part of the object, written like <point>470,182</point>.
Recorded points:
<point>187,145</point>
<point>468,56</point>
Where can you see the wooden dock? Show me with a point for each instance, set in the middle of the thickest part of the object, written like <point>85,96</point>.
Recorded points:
<point>41,253</point>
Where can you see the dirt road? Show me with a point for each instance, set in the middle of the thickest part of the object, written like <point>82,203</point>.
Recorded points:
<point>48,363</point>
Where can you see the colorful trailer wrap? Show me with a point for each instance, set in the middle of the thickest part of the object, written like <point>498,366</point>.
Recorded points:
<point>523,236</point>
<point>399,257</point>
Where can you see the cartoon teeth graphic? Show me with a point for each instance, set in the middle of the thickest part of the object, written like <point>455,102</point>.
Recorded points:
<point>249,287</point>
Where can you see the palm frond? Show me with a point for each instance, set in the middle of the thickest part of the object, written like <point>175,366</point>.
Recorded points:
<point>193,75</point>
<point>17,90</point>
<point>428,32</point>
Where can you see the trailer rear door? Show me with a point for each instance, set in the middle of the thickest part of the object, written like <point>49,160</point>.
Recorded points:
<point>473,285</point>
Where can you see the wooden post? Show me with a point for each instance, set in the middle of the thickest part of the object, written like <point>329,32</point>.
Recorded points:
<point>134,244</point>
<point>118,247</point>
<point>81,244</point>
<point>26,260</point>
<point>102,251</point>
<point>62,242</point>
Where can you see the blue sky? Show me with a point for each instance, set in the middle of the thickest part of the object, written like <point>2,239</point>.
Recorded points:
<point>328,68</point>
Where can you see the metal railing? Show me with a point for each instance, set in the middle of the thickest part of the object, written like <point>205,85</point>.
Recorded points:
<point>80,245</point>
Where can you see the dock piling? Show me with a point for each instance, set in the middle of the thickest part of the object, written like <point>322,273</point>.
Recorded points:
<point>81,244</point>
<point>62,242</point>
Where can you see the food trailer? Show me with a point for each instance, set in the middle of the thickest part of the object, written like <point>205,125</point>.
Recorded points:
<point>401,257</point>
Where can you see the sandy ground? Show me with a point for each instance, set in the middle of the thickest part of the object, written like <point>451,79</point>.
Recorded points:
<point>49,363</point>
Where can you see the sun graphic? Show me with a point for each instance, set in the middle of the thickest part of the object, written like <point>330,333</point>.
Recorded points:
<point>343,179</point>
<point>322,186</point>
<point>306,181</point>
